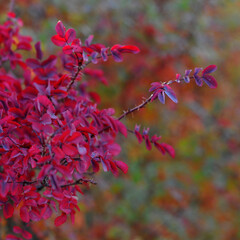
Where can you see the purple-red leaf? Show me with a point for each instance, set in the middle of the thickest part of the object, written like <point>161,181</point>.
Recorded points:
<point>122,166</point>
<point>70,35</point>
<point>60,220</point>
<point>116,55</point>
<point>39,53</point>
<point>169,149</point>
<point>198,80</point>
<point>197,70</point>
<point>209,69</point>
<point>8,210</point>
<point>33,63</point>
<point>121,128</point>
<point>89,40</point>
<point>210,81</point>
<point>23,232</point>
<point>24,214</point>
<point>60,29</point>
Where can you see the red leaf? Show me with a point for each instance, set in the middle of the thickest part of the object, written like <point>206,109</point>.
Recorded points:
<point>16,112</point>
<point>17,229</point>
<point>24,46</point>
<point>35,215</point>
<point>148,143</point>
<point>60,29</point>
<point>95,165</point>
<point>169,149</point>
<point>121,128</point>
<point>24,214</point>
<point>209,69</point>
<point>23,232</point>
<point>8,210</point>
<point>113,168</point>
<point>69,150</point>
<point>12,237</point>
<point>30,92</point>
<point>122,166</point>
<point>46,212</point>
<point>60,220</point>
<point>129,49</point>
<point>159,147</point>
<point>58,41</point>
<point>70,35</point>
<point>67,49</point>
<point>59,93</point>
<point>46,119</point>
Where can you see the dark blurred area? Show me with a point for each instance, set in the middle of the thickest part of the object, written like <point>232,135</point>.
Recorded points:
<point>197,194</point>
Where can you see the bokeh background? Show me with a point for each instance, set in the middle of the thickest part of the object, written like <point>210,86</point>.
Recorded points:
<point>197,194</point>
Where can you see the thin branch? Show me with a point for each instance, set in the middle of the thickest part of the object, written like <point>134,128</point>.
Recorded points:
<point>136,108</point>
<point>80,68</point>
<point>79,181</point>
<point>74,77</point>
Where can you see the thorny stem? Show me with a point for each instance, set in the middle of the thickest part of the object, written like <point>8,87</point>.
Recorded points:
<point>80,68</point>
<point>75,76</point>
<point>136,108</point>
<point>150,98</point>
<point>79,181</point>
<point>144,103</point>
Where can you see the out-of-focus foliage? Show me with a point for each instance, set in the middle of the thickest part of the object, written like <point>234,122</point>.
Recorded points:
<point>196,195</point>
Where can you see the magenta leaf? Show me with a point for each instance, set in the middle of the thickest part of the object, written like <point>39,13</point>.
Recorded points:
<point>122,166</point>
<point>89,40</point>
<point>60,29</point>
<point>60,220</point>
<point>169,149</point>
<point>209,69</point>
<point>23,232</point>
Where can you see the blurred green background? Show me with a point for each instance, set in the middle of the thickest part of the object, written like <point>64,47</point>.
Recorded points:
<point>197,194</point>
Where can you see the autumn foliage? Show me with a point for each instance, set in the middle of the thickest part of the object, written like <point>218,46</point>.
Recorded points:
<point>53,135</point>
